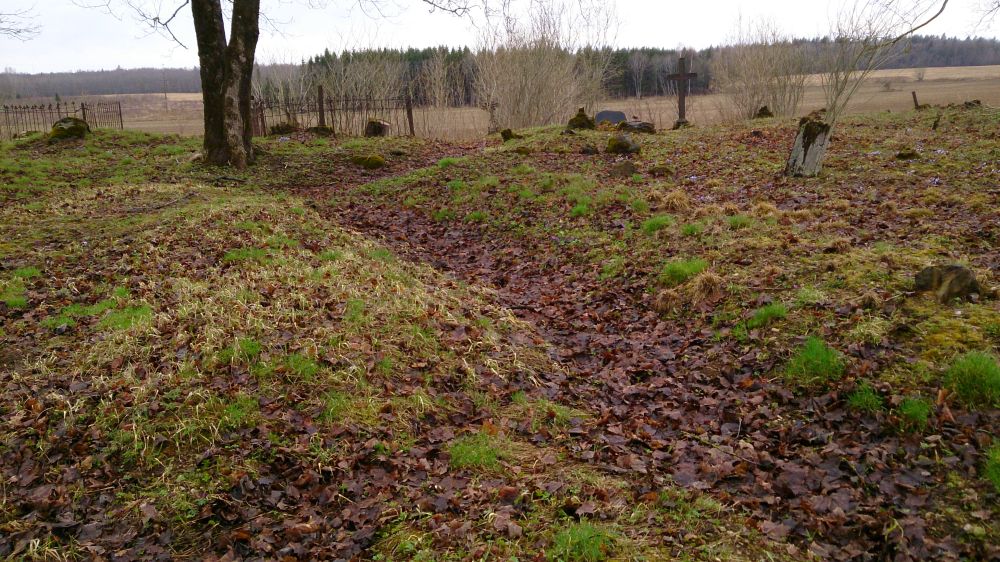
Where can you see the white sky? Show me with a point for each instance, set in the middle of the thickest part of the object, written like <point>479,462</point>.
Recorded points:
<point>75,38</point>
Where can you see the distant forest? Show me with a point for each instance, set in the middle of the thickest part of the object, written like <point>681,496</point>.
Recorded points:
<point>626,66</point>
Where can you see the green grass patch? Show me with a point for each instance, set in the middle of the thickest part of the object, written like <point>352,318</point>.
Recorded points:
<point>612,268</point>
<point>477,450</point>
<point>354,312</point>
<point>692,229</point>
<point>258,255</point>
<point>245,349</point>
<point>243,411</point>
<point>336,405</point>
<point>975,378</point>
<point>914,413</point>
<point>579,210</point>
<point>991,467</point>
<point>814,363</point>
<point>767,315</point>
<point>582,542</point>
<point>27,272</point>
<point>126,318</point>
<point>678,271</point>
<point>865,399</point>
<point>331,255</point>
<point>476,216</point>
<point>653,225</point>
<point>809,296</point>
<point>448,162</point>
<point>443,215</point>
<point>739,222</point>
<point>301,366</point>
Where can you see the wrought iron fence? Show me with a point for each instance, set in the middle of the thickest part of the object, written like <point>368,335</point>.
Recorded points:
<point>344,116</point>
<point>19,119</point>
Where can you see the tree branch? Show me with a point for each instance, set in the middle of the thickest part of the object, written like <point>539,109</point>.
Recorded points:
<point>17,25</point>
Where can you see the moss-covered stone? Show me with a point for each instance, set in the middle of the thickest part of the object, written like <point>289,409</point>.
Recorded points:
<point>581,121</point>
<point>284,128</point>
<point>69,128</point>
<point>622,144</point>
<point>370,161</point>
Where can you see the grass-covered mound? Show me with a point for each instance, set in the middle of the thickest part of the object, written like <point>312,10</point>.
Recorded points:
<point>195,366</point>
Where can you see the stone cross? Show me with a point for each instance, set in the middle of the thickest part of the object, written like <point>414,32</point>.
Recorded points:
<point>681,77</point>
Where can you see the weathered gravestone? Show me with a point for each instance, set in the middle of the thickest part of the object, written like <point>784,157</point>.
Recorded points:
<point>377,128</point>
<point>612,117</point>
<point>806,158</point>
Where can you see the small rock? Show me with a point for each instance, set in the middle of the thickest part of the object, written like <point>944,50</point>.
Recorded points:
<point>661,171</point>
<point>589,150</point>
<point>523,150</point>
<point>508,135</point>
<point>369,162</point>
<point>623,169</point>
<point>907,154</point>
<point>568,132</point>
<point>870,300</point>
<point>948,282</point>
<point>637,127</point>
<point>622,144</point>
<point>764,113</point>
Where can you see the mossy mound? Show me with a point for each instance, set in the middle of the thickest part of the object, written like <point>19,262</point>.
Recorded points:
<point>581,121</point>
<point>370,161</point>
<point>622,144</point>
<point>69,128</point>
<point>284,128</point>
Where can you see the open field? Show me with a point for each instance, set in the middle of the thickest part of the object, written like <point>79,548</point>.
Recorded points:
<point>486,351</point>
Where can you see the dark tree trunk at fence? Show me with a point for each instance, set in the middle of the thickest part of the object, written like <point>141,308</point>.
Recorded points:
<point>226,72</point>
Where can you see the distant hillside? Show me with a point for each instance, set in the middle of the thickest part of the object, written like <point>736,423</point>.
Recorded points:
<point>923,51</point>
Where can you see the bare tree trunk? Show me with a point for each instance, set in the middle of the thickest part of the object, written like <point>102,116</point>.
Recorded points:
<point>226,72</point>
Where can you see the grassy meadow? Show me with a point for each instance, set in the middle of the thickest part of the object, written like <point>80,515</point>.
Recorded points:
<point>502,351</point>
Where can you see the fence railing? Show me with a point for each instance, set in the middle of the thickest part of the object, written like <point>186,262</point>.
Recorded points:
<point>345,116</point>
<point>19,119</point>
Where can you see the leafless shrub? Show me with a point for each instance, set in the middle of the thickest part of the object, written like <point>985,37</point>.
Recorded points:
<point>760,68</point>
<point>537,71</point>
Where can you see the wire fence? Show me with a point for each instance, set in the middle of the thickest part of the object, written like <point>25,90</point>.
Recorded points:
<point>343,116</point>
<point>17,120</point>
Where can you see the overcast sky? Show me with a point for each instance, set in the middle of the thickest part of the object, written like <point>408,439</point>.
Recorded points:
<point>74,38</point>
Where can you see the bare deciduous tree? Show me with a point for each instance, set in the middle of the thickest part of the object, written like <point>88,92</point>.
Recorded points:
<point>762,67</point>
<point>864,36</point>
<point>227,61</point>
<point>536,71</point>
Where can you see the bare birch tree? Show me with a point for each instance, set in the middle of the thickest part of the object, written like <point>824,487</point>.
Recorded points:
<point>638,62</point>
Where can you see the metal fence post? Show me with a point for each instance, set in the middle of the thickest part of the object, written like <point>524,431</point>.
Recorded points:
<point>409,114</point>
<point>319,103</point>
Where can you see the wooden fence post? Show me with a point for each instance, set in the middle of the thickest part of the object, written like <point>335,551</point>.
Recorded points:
<point>409,114</point>
<point>121,122</point>
<point>319,102</point>
<point>915,104</point>
<point>83,109</point>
